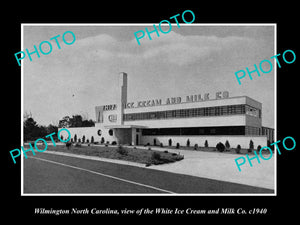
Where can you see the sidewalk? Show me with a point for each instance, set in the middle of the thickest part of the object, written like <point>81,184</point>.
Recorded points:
<point>221,166</point>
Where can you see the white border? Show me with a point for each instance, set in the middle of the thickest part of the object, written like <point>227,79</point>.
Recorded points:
<point>151,24</point>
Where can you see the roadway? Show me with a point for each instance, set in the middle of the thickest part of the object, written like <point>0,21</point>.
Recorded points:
<point>57,174</point>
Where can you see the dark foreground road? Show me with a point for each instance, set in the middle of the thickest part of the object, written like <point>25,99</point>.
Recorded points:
<point>48,173</point>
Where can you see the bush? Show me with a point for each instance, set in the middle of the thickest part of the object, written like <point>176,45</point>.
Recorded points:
<point>238,149</point>
<point>220,147</point>
<point>75,138</point>
<point>227,145</point>
<point>114,143</point>
<point>161,145</point>
<point>154,142</point>
<point>83,139</point>
<point>177,145</point>
<point>155,156</point>
<point>195,146</point>
<point>206,144</point>
<point>188,143</point>
<point>68,145</point>
<point>251,145</point>
<point>87,141</point>
<point>258,147</point>
<point>102,140</point>
<point>78,144</point>
<point>79,140</point>
<point>121,150</point>
<point>165,151</point>
<point>92,139</point>
<point>170,142</point>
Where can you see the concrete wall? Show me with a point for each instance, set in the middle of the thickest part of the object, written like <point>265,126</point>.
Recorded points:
<point>207,121</point>
<point>88,132</point>
<point>233,140</point>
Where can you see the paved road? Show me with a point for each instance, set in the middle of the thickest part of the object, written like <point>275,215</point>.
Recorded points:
<point>49,173</point>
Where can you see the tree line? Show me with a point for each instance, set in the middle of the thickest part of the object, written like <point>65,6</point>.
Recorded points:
<point>33,131</point>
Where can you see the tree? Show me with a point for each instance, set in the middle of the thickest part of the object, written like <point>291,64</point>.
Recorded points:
<point>75,138</point>
<point>75,121</point>
<point>83,138</point>
<point>92,139</point>
<point>31,129</point>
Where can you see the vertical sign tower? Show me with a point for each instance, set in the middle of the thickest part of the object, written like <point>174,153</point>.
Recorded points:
<point>122,97</point>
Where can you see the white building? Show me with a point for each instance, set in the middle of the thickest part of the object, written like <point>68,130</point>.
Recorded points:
<point>199,118</point>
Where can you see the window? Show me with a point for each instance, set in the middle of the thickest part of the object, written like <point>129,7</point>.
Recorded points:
<point>195,112</point>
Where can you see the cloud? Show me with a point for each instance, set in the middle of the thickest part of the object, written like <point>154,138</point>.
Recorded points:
<point>172,48</point>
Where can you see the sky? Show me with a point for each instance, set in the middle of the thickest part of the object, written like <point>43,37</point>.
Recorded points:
<point>192,59</point>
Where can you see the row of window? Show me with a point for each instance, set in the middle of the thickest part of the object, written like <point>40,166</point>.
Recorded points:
<point>195,112</point>
<point>227,130</point>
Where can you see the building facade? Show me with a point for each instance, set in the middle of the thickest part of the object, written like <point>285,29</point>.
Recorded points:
<point>198,118</point>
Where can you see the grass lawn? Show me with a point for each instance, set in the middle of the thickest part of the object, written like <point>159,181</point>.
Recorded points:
<point>147,157</point>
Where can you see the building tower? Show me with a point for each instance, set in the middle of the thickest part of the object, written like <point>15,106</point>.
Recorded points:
<point>122,97</point>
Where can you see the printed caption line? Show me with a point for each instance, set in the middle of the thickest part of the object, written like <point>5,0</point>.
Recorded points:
<point>102,174</point>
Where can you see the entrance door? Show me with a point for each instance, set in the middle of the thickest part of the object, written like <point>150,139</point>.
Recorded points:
<point>136,139</point>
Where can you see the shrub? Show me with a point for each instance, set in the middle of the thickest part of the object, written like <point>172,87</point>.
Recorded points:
<point>177,145</point>
<point>258,147</point>
<point>149,148</point>
<point>102,140</point>
<point>154,142</point>
<point>170,142</point>
<point>188,143</point>
<point>238,149</point>
<point>78,144</point>
<point>251,145</point>
<point>72,140</point>
<point>92,139</point>
<point>114,143</point>
<point>195,146</point>
<point>220,147</point>
<point>206,144</point>
<point>156,156</point>
<point>165,151</point>
<point>107,142</point>
<point>121,150</point>
<point>161,145</point>
<point>68,145</point>
<point>83,139</point>
<point>75,138</point>
<point>79,140</point>
<point>87,141</point>
<point>227,145</point>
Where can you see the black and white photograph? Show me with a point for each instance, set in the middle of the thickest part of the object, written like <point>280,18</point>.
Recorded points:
<point>165,115</point>
<point>150,112</point>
